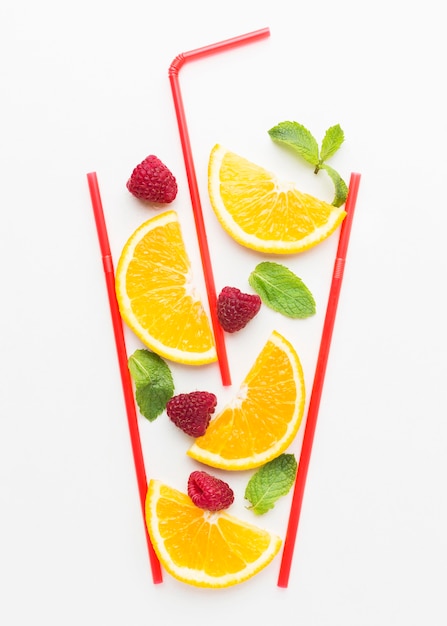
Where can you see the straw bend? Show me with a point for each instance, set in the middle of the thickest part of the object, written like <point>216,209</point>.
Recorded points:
<point>176,65</point>
<point>339,268</point>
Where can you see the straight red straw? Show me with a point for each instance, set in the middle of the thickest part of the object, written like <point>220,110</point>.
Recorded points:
<point>123,362</point>
<point>317,388</point>
<point>174,68</point>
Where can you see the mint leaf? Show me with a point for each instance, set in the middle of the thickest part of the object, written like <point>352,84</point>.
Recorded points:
<point>281,290</point>
<point>270,482</point>
<point>297,137</point>
<point>332,141</point>
<point>341,188</point>
<point>153,382</point>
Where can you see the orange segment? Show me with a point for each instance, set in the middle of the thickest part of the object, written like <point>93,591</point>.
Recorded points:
<point>262,212</point>
<point>156,294</point>
<point>264,416</point>
<point>202,548</point>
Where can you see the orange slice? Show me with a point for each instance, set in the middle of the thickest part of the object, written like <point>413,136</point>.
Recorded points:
<point>202,548</point>
<point>156,294</point>
<point>264,416</point>
<point>262,212</point>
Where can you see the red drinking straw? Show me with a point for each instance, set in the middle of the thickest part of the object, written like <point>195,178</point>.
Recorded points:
<point>123,363</point>
<point>174,68</point>
<point>320,370</point>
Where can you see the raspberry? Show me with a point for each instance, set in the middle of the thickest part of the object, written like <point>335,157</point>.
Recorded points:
<point>192,411</point>
<point>152,181</point>
<point>235,309</point>
<point>209,492</point>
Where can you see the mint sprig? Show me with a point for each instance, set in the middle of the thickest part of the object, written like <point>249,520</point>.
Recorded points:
<point>272,481</point>
<point>154,385</point>
<point>301,140</point>
<point>282,290</point>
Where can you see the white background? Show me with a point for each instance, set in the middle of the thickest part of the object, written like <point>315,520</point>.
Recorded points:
<point>84,87</point>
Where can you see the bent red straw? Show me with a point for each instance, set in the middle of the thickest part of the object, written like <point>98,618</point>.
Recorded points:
<point>317,388</point>
<point>174,68</point>
<point>123,363</point>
